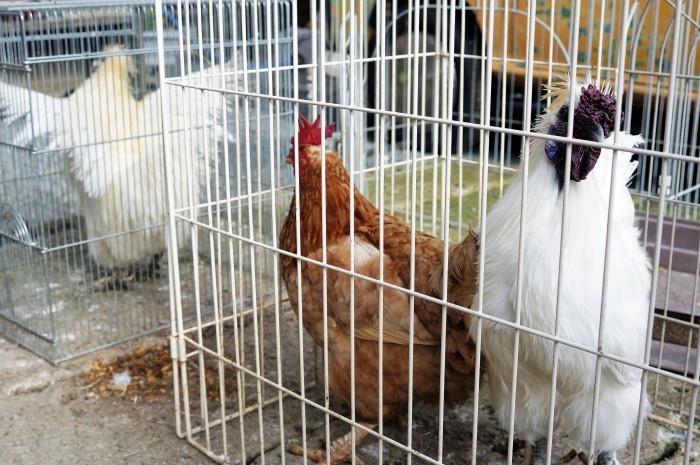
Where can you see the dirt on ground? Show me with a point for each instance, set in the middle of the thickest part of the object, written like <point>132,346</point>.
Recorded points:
<point>116,406</point>
<point>47,416</point>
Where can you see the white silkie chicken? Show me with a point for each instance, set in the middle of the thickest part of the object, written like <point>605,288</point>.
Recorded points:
<point>583,251</point>
<point>114,155</point>
<point>122,183</point>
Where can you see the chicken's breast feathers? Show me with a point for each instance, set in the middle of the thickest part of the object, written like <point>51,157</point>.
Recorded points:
<point>395,306</point>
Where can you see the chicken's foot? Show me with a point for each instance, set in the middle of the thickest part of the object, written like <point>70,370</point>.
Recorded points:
<point>539,452</point>
<point>121,280</point>
<point>340,449</point>
<point>153,270</point>
<point>114,282</point>
<point>536,454</point>
<point>158,270</point>
<point>604,458</point>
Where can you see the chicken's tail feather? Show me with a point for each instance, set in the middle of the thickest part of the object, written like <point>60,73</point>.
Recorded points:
<point>11,103</point>
<point>461,286</point>
<point>26,117</point>
<point>14,114</point>
<point>462,269</point>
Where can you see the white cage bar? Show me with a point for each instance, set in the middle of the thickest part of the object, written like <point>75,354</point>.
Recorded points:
<point>82,229</point>
<point>433,103</point>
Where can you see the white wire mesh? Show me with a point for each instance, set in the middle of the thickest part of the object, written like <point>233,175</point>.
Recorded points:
<point>81,166</point>
<point>432,102</point>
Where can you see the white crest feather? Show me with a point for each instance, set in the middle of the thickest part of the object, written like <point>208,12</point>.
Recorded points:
<point>559,89</point>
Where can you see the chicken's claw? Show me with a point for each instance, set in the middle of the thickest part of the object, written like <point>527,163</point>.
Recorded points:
<point>604,458</point>
<point>572,455</point>
<point>340,449</point>
<point>113,282</point>
<point>339,455</point>
<point>536,454</point>
<point>121,280</point>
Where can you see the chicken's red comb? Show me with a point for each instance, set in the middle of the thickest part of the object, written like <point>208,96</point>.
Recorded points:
<point>311,133</point>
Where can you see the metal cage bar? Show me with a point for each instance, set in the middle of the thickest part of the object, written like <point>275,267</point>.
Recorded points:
<point>433,103</point>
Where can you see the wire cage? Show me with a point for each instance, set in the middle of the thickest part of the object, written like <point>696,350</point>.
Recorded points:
<point>82,184</point>
<point>433,104</point>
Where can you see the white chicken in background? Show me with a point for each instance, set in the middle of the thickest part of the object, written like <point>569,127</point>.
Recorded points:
<point>583,252</point>
<point>114,157</point>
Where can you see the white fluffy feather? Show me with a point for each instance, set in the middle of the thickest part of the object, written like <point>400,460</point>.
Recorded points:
<point>114,157</point>
<point>584,249</point>
<point>22,110</point>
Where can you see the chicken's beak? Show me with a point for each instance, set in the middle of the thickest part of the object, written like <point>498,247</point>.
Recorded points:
<point>595,135</point>
<point>290,158</point>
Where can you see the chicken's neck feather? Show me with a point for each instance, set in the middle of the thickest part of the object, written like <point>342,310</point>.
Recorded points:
<point>337,212</point>
<point>111,76</point>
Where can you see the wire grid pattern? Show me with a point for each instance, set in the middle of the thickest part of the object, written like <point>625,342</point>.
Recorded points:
<point>81,164</point>
<point>432,105</point>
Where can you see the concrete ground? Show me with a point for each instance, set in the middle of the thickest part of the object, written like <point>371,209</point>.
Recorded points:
<point>48,417</point>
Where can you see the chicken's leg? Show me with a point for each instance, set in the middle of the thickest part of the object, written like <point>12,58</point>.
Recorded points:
<point>114,281</point>
<point>152,270</point>
<point>340,449</point>
<point>536,454</point>
<point>122,279</point>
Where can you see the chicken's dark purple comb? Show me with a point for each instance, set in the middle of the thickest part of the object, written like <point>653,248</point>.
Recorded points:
<point>311,133</point>
<point>596,105</point>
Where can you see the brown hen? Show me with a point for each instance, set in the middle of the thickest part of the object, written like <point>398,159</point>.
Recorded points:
<point>459,374</point>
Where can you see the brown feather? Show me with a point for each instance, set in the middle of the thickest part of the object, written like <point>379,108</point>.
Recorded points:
<point>459,374</point>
